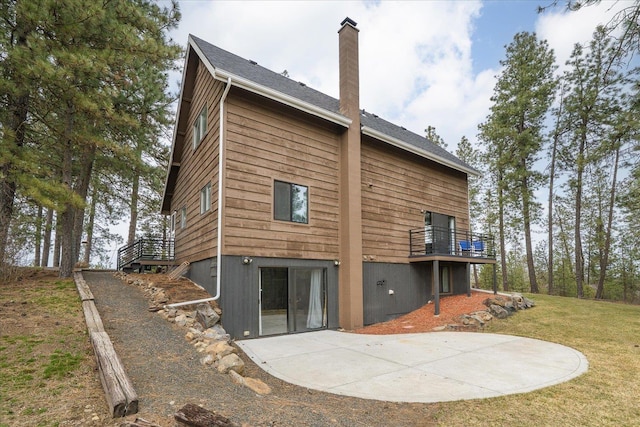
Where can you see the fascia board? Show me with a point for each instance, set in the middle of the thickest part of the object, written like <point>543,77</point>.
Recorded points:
<point>415,150</point>
<point>177,120</point>
<point>250,86</point>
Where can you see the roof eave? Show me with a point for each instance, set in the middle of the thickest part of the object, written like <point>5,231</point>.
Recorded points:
<point>175,131</point>
<point>253,87</point>
<point>416,150</point>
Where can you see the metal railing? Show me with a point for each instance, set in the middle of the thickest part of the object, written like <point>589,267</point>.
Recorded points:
<point>432,240</point>
<point>146,249</point>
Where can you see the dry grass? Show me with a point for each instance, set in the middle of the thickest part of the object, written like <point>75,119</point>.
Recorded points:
<point>607,334</point>
<point>47,375</point>
<point>47,371</point>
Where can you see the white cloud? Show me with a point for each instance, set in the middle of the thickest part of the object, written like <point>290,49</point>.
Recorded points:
<point>564,29</point>
<point>415,57</point>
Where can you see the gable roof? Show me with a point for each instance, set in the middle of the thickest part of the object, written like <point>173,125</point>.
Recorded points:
<point>255,78</point>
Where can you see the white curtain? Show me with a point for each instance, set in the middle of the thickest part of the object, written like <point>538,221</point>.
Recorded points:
<point>314,317</point>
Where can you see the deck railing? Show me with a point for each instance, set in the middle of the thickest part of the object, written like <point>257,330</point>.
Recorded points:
<point>432,240</point>
<point>146,250</point>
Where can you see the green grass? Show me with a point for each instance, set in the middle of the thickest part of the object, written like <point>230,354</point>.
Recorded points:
<point>44,356</point>
<point>608,334</point>
<point>61,364</point>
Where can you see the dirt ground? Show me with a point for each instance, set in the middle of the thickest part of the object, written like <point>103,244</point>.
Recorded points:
<point>48,375</point>
<point>42,327</point>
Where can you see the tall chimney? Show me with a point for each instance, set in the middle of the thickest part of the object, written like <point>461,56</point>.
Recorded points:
<point>349,69</point>
<point>350,293</point>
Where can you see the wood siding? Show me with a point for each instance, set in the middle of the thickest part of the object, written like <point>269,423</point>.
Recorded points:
<point>266,142</point>
<point>197,168</point>
<point>396,186</point>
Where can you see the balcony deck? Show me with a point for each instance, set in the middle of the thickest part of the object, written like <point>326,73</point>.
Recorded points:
<point>443,244</point>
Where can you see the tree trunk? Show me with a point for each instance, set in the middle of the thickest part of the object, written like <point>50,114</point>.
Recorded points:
<point>552,175</point>
<point>81,189</point>
<point>579,257</point>
<point>503,251</point>
<point>46,241</point>
<point>38,237</point>
<point>475,275</point>
<point>67,239</point>
<point>604,260</point>
<point>135,186</point>
<point>526,219</point>
<point>57,244</point>
<point>92,217</point>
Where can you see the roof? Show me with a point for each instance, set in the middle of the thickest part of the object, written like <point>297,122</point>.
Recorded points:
<point>251,76</point>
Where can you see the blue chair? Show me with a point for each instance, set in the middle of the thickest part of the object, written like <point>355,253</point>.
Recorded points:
<point>465,246</point>
<point>478,247</point>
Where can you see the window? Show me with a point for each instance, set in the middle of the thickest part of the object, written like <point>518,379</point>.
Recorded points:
<point>172,222</point>
<point>183,217</point>
<point>445,280</point>
<point>205,199</point>
<point>291,202</point>
<point>200,127</point>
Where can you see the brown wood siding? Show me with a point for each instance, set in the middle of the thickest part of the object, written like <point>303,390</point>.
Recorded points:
<point>396,186</point>
<point>197,168</point>
<point>265,142</point>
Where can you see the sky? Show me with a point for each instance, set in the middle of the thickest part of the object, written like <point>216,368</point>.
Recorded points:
<point>422,63</point>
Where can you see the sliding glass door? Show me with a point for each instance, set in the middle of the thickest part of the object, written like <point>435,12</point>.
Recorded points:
<point>292,300</point>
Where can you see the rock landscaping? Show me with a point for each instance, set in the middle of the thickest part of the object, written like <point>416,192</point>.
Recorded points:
<point>499,306</point>
<point>202,329</point>
<point>457,313</point>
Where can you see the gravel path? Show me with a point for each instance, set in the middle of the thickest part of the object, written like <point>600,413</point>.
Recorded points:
<point>166,373</point>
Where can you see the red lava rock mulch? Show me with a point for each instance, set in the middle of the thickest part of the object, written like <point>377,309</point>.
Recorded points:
<point>424,320</point>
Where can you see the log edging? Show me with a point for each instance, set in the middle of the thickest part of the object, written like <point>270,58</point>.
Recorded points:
<point>119,393</point>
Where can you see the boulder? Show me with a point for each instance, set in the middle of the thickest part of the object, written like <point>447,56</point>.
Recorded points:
<point>498,311</point>
<point>206,315</point>
<point>181,320</point>
<point>220,349</point>
<point>207,360</point>
<point>254,384</point>
<point>216,333</point>
<point>231,362</point>
<point>257,386</point>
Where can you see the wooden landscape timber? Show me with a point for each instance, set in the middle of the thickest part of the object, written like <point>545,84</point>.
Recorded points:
<point>121,397</point>
<point>119,393</point>
<point>83,288</point>
<point>92,317</point>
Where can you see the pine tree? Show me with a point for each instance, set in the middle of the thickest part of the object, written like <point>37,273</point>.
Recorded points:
<point>86,59</point>
<point>522,97</point>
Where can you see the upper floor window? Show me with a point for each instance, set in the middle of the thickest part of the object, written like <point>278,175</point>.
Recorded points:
<point>205,198</point>
<point>183,217</point>
<point>291,202</point>
<point>172,222</point>
<point>200,127</point>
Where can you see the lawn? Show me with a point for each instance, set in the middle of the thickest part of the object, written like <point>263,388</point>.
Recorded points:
<point>608,334</point>
<point>48,377</point>
<point>47,369</point>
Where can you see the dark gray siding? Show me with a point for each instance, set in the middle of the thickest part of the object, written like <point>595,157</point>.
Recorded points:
<point>239,293</point>
<point>410,283</point>
<point>239,296</point>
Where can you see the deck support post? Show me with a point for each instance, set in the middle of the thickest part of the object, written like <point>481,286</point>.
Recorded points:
<point>468,276</point>
<point>436,286</point>
<point>495,280</point>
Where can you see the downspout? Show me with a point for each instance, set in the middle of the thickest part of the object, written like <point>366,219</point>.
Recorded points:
<point>220,176</point>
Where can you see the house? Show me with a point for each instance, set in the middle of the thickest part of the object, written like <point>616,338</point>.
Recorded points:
<point>302,211</point>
